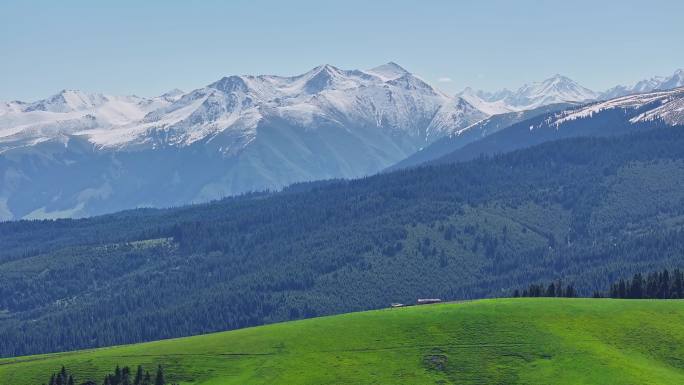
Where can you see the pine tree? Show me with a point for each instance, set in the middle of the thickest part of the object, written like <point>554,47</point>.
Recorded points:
<point>570,292</point>
<point>551,290</point>
<point>622,289</point>
<point>678,285</point>
<point>159,380</point>
<point>664,290</point>
<point>652,286</point>
<point>138,376</point>
<point>613,291</point>
<point>636,287</point>
<point>126,376</point>
<point>117,376</point>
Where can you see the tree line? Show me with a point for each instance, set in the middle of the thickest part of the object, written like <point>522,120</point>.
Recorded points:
<point>655,285</point>
<point>120,376</point>
<point>554,289</point>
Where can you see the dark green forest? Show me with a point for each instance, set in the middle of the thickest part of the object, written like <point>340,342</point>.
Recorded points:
<point>655,285</point>
<point>589,211</point>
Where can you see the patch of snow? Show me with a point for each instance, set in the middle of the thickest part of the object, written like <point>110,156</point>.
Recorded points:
<point>669,110</point>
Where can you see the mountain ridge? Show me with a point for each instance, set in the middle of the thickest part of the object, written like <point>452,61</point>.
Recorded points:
<point>238,134</point>
<point>560,89</point>
<point>614,117</point>
<point>514,130</point>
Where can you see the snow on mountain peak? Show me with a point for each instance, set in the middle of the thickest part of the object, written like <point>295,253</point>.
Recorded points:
<point>321,78</point>
<point>387,98</point>
<point>172,95</point>
<point>230,84</point>
<point>237,104</point>
<point>481,101</point>
<point>388,71</point>
<point>556,89</point>
<point>674,81</point>
<point>70,112</point>
<point>410,82</point>
<point>67,101</point>
<point>647,85</point>
<point>667,106</point>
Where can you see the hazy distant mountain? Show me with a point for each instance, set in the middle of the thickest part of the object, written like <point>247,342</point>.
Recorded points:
<point>77,154</point>
<point>560,89</point>
<point>556,89</point>
<point>647,85</point>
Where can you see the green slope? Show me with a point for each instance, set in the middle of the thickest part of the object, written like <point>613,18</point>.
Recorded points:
<point>503,341</point>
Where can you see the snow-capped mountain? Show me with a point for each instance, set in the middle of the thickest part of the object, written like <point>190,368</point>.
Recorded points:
<point>560,89</point>
<point>647,85</point>
<point>556,89</point>
<point>70,112</point>
<point>387,97</point>
<point>664,106</point>
<point>77,154</point>
<point>490,103</point>
<point>604,118</point>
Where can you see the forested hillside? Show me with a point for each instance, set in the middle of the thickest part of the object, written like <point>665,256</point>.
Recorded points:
<point>587,210</point>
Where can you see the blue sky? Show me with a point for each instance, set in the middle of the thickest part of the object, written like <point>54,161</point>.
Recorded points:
<point>146,48</point>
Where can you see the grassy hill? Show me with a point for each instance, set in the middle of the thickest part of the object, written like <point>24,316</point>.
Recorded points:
<point>502,341</point>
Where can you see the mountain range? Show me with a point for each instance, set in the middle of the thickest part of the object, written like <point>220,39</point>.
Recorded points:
<point>77,154</point>
<point>515,130</point>
<point>561,89</point>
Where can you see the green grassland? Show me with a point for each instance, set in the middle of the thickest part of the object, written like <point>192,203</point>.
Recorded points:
<point>501,341</point>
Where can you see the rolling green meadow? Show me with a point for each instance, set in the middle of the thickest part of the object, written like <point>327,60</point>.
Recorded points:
<point>496,341</point>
